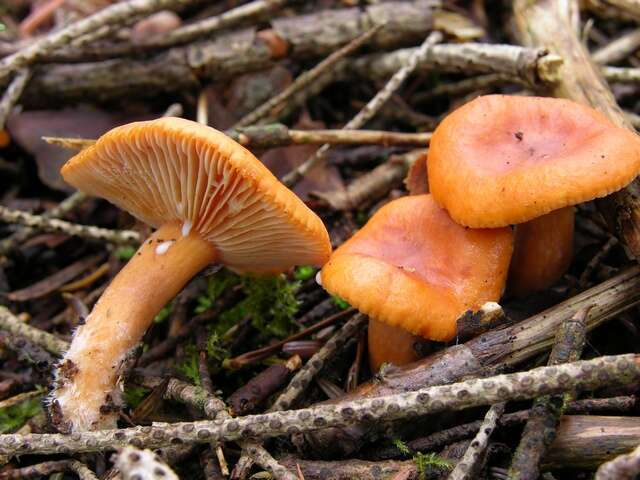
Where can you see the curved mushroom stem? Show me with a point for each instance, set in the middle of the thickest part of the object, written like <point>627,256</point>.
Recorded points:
<point>389,344</point>
<point>86,377</point>
<point>542,253</point>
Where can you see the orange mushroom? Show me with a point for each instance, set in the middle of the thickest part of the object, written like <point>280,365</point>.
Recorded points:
<point>500,160</point>
<point>412,267</point>
<point>211,200</point>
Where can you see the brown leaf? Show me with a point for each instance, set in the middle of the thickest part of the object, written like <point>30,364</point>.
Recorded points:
<point>28,128</point>
<point>55,281</point>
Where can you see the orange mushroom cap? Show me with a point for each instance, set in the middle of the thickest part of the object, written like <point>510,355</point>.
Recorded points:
<point>501,160</point>
<point>412,266</point>
<point>173,169</point>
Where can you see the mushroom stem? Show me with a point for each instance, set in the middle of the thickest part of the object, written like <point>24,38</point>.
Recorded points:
<point>542,252</point>
<point>87,376</point>
<point>389,344</point>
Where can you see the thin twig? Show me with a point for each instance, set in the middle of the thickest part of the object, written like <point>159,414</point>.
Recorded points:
<point>60,210</point>
<point>369,110</point>
<point>43,470</point>
<point>13,325</point>
<point>12,94</point>
<point>126,237</point>
<point>278,135</point>
<point>468,465</point>
<point>108,16</point>
<point>609,371</point>
<point>618,49</point>
<point>306,79</point>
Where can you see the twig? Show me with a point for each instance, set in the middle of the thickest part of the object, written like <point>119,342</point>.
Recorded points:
<point>595,261</point>
<point>468,465</point>
<point>126,237</point>
<point>618,49</point>
<point>248,397</point>
<point>372,185</point>
<point>107,16</point>
<point>13,325</point>
<point>540,430</point>
<point>61,209</point>
<point>472,84</point>
<point>306,79</point>
<point>136,464</point>
<point>278,135</point>
<point>624,467</point>
<point>370,109</point>
<point>621,74</point>
<point>609,371</point>
<point>42,470</point>
<point>21,397</point>
<point>12,94</point>
<point>261,353</point>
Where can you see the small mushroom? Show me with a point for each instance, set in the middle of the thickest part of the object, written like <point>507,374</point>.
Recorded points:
<point>501,160</point>
<point>211,201</point>
<point>412,267</point>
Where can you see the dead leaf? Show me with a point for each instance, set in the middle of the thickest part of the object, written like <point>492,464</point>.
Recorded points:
<point>28,128</point>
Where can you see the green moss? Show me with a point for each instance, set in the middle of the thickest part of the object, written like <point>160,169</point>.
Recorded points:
<point>134,395</point>
<point>424,461</point>
<point>340,303</point>
<point>163,314</point>
<point>216,285</point>
<point>189,366</point>
<point>304,273</point>
<point>124,253</point>
<point>14,417</point>
<point>400,445</point>
<point>271,304</point>
<point>217,353</point>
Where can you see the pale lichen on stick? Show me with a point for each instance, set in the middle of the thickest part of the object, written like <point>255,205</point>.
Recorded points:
<point>583,375</point>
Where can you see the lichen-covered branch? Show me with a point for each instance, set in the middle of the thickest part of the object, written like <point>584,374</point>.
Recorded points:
<point>469,464</point>
<point>584,375</point>
<point>45,224</point>
<point>13,325</point>
<point>136,464</point>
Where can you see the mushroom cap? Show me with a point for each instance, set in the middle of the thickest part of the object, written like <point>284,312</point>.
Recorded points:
<point>174,169</point>
<point>501,160</point>
<point>413,267</point>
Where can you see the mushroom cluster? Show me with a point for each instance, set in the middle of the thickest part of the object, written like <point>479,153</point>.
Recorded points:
<point>211,201</point>
<point>504,173</point>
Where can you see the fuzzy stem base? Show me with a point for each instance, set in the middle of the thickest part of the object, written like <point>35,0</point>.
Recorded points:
<point>87,375</point>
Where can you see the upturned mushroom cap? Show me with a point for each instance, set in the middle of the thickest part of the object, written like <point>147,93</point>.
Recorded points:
<point>173,169</point>
<point>413,267</point>
<point>501,160</point>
